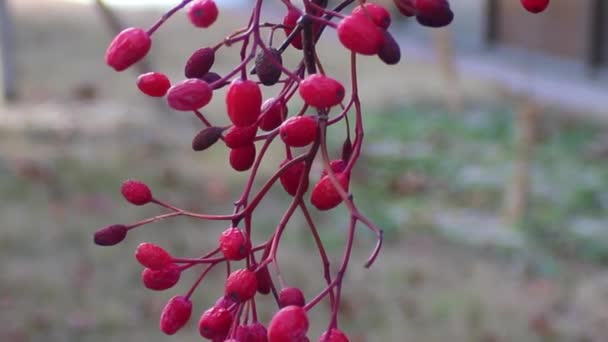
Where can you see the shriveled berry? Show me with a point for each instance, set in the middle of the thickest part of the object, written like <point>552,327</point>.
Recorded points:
<point>203,13</point>
<point>128,47</point>
<point>390,52</point>
<point>379,15</point>
<point>324,195</point>
<point>206,138</point>
<point>273,112</point>
<point>153,84</point>
<point>255,332</point>
<point>234,244</point>
<point>162,279</point>
<point>175,314</point>
<point>211,77</point>
<point>347,149</point>
<point>291,296</point>
<point>243,102</point>
<point>434,13</point>
<point>406,7</point>
<point>289,22</point>
<point>290,178</point>
<point>360,34</point>
<point>199,64</point>
<point>136,192</point>
<point>263,280</point>
<point>299,131</point>
<point>535,6</point>
<point>152,256</point>
<point>267,66</point>
<point>242,158</point>
<point>190,94</point>
<point>335,335</point>
<point>287,325</point>
<point>215,323</point>
<point>321,91</point>
<point>241,285</point>
<point>110,235</point>
<point>337,166</point>
<point>238,136</point>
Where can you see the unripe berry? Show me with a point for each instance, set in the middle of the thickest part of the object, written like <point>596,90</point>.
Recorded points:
<point>190,94</point>
<point>153,84</point>
<point>241,285</point>
<point>535,6</point>
<point>136,192</point>
<point>434,13</point>
<point>390,52</point>
<point>238,136</point>
<point>379,15</point>
<point>202,13</point>
<point>242,158</point>
<point>291,296</point>
<point>267,66</point>
<point>206,138</point>
<point>290,178</point>
<point>264,280</point>
<point>274,112</point>
<point>321,91</point>
<point>162,279</point>
<point>335,335</point>
<point>128,47</point>
<point>243,102</point>
<point>152,256</point>
<point>324,195</point>
<point>288,325</point>
<point>215,323</point>
<point>175,314</point>
<point>110,235</point>
<point>234,244</point>
<point>299,131</point>
<point>199,64</point>
<point>359,34</point>
<point>406,7</point>
<point>289,22</point>
<point>337,166</point>
<point>255,332</point>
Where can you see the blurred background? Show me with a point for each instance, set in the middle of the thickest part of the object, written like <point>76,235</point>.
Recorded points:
<point>486,163</point>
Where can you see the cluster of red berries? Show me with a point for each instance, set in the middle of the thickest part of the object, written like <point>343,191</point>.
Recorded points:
<point>253,119</point>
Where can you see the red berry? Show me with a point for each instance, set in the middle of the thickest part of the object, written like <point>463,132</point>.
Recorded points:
<point>243,102</point>
<point>535,6</point>
<point>128,47</point>
<point>234,244</point>
<point>290,178</point>
<point>161,279</point>
<point>406,7</point>
<point>335,335</point>
<point>203,13</point>
<point>190,94</point>
<point>324,195</point>
<point>224,302</point>
<point>215,323</point>
<point>264,280</point>
<point>273,113</point>
<point>238,136</point>
<point>299,131</point>
<point>290,324</point>
<point>152,256</point>
<point>199,64</point>
<point>255,332</point>
<point>379,15</point>
<point>136,192</point>
<point>337,166</point>
<point>153,84</point>
<point>241,285</point>
<point>291,296</point>
<point>175,314</point>
<point>434,13</point>
<point>110,235</point>
<point>242,158</point>
<point>359,34</point>
<point>289,22</point>
<point>321,91</point>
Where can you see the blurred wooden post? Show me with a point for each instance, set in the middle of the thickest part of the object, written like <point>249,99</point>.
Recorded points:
<point>442,39</point>
<point>8,84</point>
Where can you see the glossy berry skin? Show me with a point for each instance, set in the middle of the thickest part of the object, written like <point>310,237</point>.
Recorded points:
<point>203,13</point>
<point>434,13</point>
<point>154,84</point>
<point>234,244</point>
<point>290,324</point>
<point>299,131</point>
<point>335,335</point>
<point>337,166</point>
<point>255,332</point>
<point>379,15</point>
<point>360,34</point>
<point>215,323</point>
<point>291,296</point>
<point>274,112</point>
<point>190,94</point>
<point>324,195</point>
<point>175,314</point>
<point>162,279</point>
<point>535,6</point>
<point>321,91</point>
<point>263,280</point>
<point>199,63</point>
<point>242,158</point>
<point>128,47</point>
<point>241,285</point>
<point>136,192</point>
<point>290,179</point>
<point>243,102</point>
<point>110,235</point>
<point>238,136</point>
<point>152,256</point>
<point>406,7</point>
<point>289,21</point>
